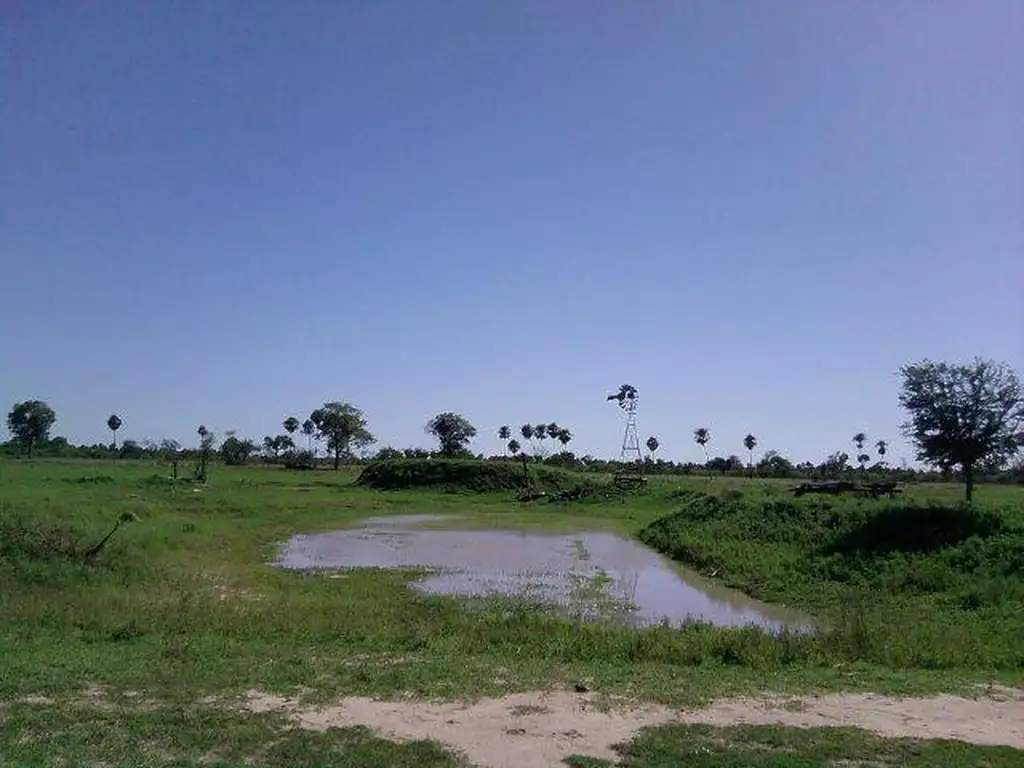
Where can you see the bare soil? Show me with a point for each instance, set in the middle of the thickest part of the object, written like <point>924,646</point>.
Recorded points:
<point>542,729</point>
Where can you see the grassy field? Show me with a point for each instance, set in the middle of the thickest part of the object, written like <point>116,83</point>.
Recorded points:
<point>112,660</point>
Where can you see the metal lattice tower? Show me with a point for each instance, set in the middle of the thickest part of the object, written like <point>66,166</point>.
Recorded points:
<point>627,401</point>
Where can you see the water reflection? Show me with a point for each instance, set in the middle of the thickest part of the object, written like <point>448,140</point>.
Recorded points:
<point>595,575</point>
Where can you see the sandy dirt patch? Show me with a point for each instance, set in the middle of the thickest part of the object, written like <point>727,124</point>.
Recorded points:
<point>526,730</point>
<point>529,730</point>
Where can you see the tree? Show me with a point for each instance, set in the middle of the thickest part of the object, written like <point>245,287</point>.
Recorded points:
<point>206,443</point>
<point>504,433</point>
<point>516,450</point>
<point>724,465</point>
<point>774,465</point>
<point>750,443</point>
<point>291,426</point>
<point>835,464</point>
<point>564,436</point>
<point>963,415</point>
<point>540,432</point>
<point>130,449</point>
<point>309,429</point>
<point>882,447</point>
<point>113,424</point>
<point>652,444</point>
<point>862,458</point>
<point>235,451</point>
<point>527,432</point>
<point>170,451</point>
<point>453,431</point>
<point>702,436</point>
<point>343,426</point>
<point>272,446</point>
<point>30,423</point>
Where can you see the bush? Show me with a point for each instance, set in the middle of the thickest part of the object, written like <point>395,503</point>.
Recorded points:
<point>462,475</point>
<point>299,460</point>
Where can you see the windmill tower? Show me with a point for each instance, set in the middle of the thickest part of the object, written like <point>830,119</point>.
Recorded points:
<point>626,398</point>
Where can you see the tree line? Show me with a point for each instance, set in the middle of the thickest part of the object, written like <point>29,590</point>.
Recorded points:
<point>963,418</point>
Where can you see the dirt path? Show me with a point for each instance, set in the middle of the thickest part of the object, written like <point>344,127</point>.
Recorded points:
<point>530,730</point>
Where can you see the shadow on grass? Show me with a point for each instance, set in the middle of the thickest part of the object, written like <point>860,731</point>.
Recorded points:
<point>916,529</point>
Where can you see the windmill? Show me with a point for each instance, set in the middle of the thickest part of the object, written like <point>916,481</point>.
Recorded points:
<point>626,398</point>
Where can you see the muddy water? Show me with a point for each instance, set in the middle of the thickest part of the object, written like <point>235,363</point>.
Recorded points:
<point>590,574</point>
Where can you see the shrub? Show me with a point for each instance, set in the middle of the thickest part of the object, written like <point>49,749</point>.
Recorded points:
<point>461,475</point>
<point>299,460</point>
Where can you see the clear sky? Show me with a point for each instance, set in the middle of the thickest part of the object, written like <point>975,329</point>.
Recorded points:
<point>755,212</point>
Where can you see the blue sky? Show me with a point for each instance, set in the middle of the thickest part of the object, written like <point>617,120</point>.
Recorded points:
<point>755,212</point>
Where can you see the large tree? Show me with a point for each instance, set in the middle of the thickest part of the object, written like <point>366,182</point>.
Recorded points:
<point>453,431</point>
<point>963,416</point>
<point>114,423</point>
<point>236,451</point>
<point>343,426</point>
<point>30,423</point>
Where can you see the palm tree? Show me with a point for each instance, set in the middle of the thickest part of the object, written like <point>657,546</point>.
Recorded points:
<point>862,458</point>
<point>881,446</point>
<point>702,435</point>
<point>750,443</point>
<point>540,431</point>
<point>205,444</point>
<point>504,433</point>
<point>527,432</point>
<point>564,436</point>
<point>113,424</point>
<point>291,425</point>
<point>652,444</point>
<point>514,448</point>
<point>309,429</point>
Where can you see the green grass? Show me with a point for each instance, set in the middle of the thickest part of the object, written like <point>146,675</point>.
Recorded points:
<point>182,604</point>
<point>898,583</point>
<point>763,746</point>
<point>182,735</point>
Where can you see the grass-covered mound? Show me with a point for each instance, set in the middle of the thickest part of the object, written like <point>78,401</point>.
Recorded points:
<point>464,475</point>
<point>902,584</point>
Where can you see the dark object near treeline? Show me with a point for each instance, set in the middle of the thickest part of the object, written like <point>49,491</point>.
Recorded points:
<point>836,487</point>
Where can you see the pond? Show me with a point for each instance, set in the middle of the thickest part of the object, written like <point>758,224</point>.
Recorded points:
<point>592,575</point>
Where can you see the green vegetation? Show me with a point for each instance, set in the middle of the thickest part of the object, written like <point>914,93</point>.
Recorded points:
<point>933,586</point>
<point>964,415</point>
<point>182,604</point>
<point>30,423</point>
<point>465,475</point>
<point>128,733</point>
<point>453,431</point>
<point>762,746</point>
